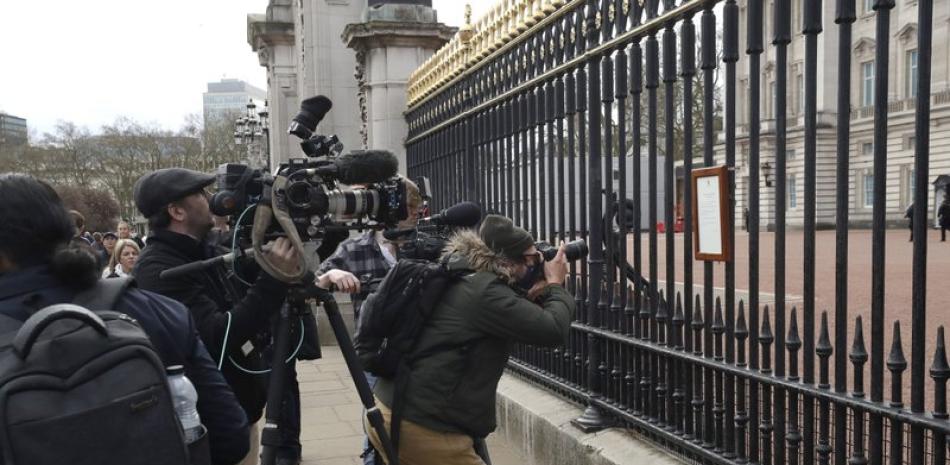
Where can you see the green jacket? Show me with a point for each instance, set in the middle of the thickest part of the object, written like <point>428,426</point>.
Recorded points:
<point>464,347</point>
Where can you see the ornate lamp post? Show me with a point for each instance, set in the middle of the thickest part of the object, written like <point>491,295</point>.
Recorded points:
<point>251,130</point>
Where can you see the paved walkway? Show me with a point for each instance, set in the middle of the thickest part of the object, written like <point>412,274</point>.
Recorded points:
<point>332,433</point>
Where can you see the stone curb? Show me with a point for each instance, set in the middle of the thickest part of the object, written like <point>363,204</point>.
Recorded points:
<point>540,423</point>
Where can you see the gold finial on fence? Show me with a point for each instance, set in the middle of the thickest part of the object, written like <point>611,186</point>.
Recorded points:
<point>505,21</point>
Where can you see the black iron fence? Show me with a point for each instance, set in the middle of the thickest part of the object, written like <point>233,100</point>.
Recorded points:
<point>714,379</point>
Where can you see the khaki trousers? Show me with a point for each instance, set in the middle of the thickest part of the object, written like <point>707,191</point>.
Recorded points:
<point>422,446</point>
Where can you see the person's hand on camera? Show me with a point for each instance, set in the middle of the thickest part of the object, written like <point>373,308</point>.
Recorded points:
<point>343,280</point>
<point>282,256</point>
<point>555,271</point>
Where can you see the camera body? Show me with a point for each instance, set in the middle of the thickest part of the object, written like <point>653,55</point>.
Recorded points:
<point>427,243</point>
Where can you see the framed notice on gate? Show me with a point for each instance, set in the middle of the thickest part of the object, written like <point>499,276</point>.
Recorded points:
<point>710,214</point>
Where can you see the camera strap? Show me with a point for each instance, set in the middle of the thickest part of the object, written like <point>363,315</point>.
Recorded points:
<point>273,206</point>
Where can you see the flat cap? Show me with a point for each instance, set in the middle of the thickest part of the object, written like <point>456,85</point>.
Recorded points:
<point>155,190</point>
<point>504,238</point>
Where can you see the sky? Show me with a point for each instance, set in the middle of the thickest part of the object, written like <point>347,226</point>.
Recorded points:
<point>92,61</point>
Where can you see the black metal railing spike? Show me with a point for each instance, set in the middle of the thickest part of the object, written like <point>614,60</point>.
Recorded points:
<point>679,320</point>
<point>696,323</point>
<point>858,356</point>
<point>620,17</point>
<point>824,350</point>
<point>676,374</point>
<point>629,311</point>
<point>719,406</point>
<point>896,364</point>
<point>742,415</point>
<point>793,343</point>
<point>741,333</point>
<point>940,372</point>
<point>765,423</point>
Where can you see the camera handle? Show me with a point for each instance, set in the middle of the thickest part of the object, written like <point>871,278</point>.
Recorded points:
<point>297,298</point>
<point>268,209</point>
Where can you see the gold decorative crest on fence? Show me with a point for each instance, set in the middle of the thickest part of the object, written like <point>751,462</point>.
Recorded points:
<point>507,20</point>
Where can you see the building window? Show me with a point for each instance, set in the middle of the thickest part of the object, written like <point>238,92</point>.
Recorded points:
<point>868,190</point>
<point>868,6</point>
<point>867,149</point>
<point>867,84</point>
<point>912,74</point>
<point>910,143</point>
<point>790,154</point>
<point>773,99</point>
<point>792,191</point>
<point>800,88</point>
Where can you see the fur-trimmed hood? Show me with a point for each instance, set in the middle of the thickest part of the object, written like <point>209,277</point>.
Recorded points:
<point>467,246</point>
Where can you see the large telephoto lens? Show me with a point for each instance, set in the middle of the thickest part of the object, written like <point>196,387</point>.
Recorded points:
<point>353,203</point>
<point>573,251</point>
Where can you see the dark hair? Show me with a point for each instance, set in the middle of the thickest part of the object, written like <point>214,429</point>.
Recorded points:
<point>160,220</point>
<point>78,220</point>
<point>38,229</point>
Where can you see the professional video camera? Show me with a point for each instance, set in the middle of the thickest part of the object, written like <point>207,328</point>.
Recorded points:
<point>314,199</point>
<point>429,238</point>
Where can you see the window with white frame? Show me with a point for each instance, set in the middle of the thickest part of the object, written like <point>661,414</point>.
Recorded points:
<point>867,149</point>
<point>790,154</point>
<point>868,184</point>
<point>867,83</point>
<point>792,191</point>
<point>868,6</point>
<point>911,73</point>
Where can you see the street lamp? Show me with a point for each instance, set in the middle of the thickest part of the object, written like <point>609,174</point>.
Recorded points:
<point>249,129</point>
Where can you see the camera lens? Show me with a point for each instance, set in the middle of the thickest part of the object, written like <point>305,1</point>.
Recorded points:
<point>573,251</point>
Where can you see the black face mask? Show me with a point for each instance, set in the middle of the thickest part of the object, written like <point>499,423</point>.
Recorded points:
<point>532,276</point>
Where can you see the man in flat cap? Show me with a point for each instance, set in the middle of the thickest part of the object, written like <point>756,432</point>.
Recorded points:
<point>507,294</point>
<point>176,203</point>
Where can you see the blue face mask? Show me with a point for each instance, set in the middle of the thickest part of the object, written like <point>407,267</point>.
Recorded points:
<point>532,276</point>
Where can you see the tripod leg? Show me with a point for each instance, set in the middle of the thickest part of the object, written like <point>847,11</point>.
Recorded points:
<point>270,436</point>
<point>373,414</point>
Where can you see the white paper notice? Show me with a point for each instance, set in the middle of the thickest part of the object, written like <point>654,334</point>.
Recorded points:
<point>707,208</point>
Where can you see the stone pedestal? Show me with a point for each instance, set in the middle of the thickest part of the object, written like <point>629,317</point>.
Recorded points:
<point>271,35</point>
<point>393,40</point>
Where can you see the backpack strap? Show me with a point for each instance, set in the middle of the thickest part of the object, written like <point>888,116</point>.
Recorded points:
<point>104,294</point>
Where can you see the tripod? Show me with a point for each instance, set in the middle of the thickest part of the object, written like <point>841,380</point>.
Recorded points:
<point>297,298</point>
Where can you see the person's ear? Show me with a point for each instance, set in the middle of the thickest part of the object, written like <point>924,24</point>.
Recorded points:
<point>176,211</point>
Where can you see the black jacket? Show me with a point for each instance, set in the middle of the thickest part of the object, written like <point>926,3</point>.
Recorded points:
<point>206,294</point>
<point>172,333</point>
<point>943,214</point>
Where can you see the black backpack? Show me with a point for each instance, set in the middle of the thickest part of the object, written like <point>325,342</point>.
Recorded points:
<point>86,388</point>
<point>392,317</point>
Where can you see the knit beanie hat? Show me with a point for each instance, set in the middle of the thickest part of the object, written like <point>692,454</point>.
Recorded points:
<point>504,238</point>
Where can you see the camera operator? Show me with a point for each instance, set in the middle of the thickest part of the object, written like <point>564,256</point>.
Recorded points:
<point>461,353</point>
<point>366,256</point>
<point>176,204</point>
<point>40,266</point>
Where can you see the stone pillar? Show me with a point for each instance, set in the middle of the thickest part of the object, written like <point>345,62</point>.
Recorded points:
<point>394,39</point>
<point>271,35</point>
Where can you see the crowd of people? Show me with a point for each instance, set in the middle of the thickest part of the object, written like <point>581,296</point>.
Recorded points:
<point>220,328</point>
<point>116,252</point>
